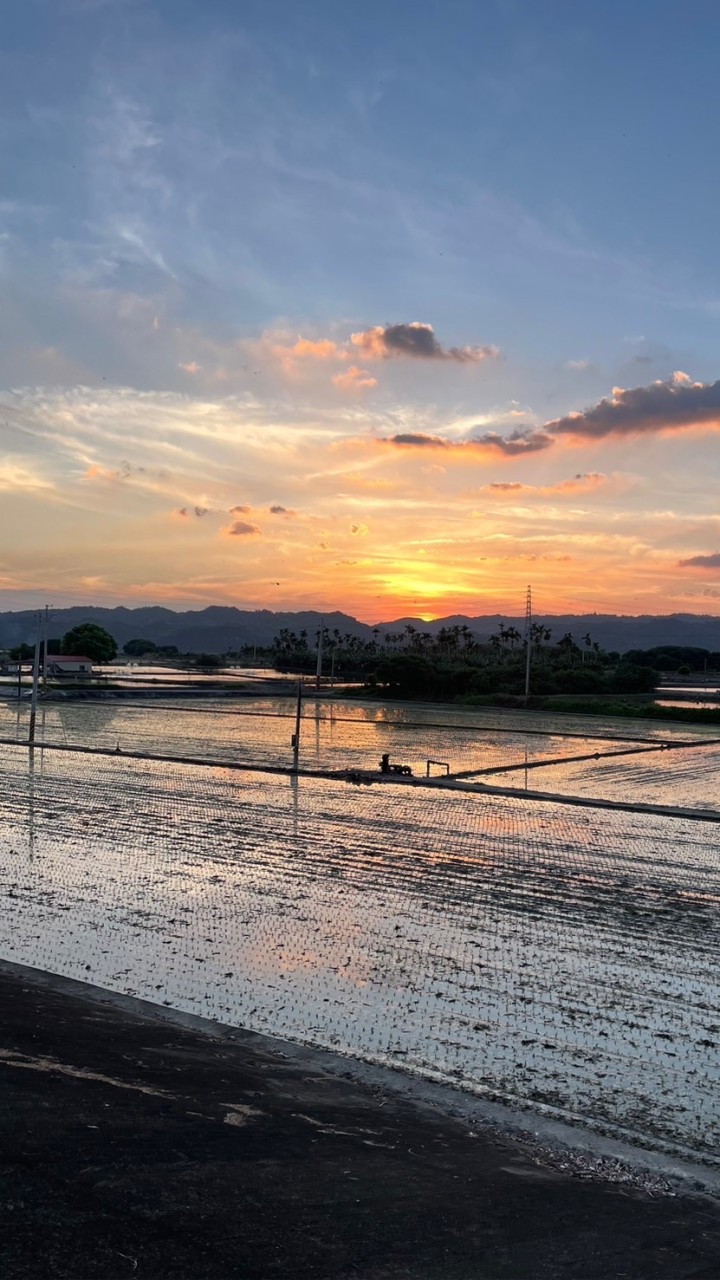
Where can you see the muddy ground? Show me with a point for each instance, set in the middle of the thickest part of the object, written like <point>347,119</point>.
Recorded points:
<point>133,1146</point>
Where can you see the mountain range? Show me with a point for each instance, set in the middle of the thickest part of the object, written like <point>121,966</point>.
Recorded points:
<point>219,628</point>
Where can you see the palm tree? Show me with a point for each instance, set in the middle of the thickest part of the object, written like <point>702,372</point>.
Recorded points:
<point>587,641</point>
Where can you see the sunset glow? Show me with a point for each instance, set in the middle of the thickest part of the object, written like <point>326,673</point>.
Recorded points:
<point>270,341</point>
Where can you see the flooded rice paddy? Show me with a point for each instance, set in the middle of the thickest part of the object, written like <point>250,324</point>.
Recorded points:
<point>343,735</point>
<point>556,956</point>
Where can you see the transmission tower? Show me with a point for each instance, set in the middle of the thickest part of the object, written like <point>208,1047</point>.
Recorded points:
<point>528,641</point>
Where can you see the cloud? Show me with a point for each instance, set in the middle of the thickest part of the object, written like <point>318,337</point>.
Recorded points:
<point>516,444</point>
<point>242,529</point>
<point>186,512</point>
<point>711,561</point>
<point>671,405</point>
<point>417,341</point>
<point>240,511</point>
<point>579,365</point>
<point>580,483</point>
<point>359,530</point>
<point>354,379</point>
<point>16,476</point>
<point>307,349</point>
<point>583,482</point>
<point>277,510</point>
<point>381,342</point>
<point>150,477</point>
<point>192,367</point>
<point>417,439</point>
<point>291,355</point>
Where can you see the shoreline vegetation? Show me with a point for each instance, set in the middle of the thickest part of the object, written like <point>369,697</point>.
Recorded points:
<point>566,676</point>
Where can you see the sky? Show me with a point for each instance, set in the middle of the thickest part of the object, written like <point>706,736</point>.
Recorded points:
<point>394,308</point>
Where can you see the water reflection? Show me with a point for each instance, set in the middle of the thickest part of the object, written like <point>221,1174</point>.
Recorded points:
<point>31,802</point>
<point>339,735</point>
<point>559,955</point>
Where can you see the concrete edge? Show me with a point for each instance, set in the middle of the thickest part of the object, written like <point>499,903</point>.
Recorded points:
<point>590,1151</point>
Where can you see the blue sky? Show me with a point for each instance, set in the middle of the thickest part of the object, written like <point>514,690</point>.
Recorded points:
<point>191,188</point>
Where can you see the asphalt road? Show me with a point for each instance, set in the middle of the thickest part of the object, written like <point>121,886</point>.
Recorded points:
<point>131,1146</point>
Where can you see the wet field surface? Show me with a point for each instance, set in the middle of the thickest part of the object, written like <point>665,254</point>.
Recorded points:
<point>342,735</point>
<point>556,957</point>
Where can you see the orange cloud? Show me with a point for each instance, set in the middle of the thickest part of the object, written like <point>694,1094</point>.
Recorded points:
<point>192,367</point>
<point>490,443</point>
<point>242,529</point>
<point>584,482</point>
<point>96,472</point>
<point>415,340</point>
<point>323,349</point>
<point>185,512</point>
<point>354,379</point>
<point>292,356</point>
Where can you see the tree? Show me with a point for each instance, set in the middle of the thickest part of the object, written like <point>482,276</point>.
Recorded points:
<point>90,641</point>
<point>136,648</point>
<point>22,652</point>
<point>208,661</point>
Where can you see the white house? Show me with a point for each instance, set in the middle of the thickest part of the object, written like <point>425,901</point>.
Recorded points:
<point>66,664</point>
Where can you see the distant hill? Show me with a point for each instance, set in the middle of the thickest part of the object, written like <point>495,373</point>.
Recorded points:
<point>219,628</point>
<point>212,630</point>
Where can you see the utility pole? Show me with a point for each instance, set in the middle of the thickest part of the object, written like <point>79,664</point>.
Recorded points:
<point>45,648</point>
<point>318,673</point>
<point>36,678</point>
<point>332,666</point>
<point>295,742</point>
<point>528,641</point>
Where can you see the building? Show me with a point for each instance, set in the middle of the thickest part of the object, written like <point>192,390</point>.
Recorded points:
<point>66,664</point>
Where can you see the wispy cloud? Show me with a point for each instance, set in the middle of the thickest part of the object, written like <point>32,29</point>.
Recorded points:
<point>355,380</point>
<point>583,482</point>
<point>517,444</point>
